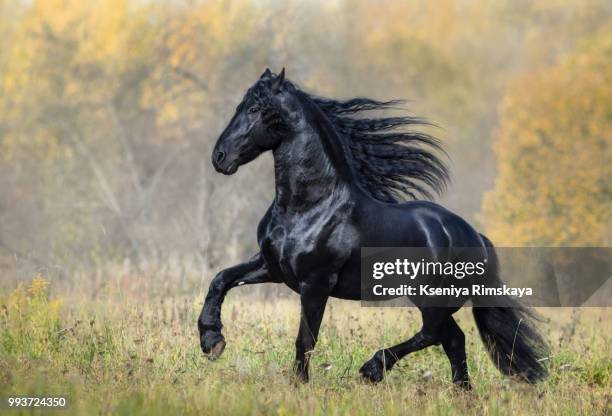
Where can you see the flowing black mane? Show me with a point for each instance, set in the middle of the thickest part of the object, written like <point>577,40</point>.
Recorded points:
<point>390,163</point>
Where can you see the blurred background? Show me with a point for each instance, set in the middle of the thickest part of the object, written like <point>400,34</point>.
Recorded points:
<point>109,110</point>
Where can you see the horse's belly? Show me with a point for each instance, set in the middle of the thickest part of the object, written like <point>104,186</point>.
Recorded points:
<point>349,279</point>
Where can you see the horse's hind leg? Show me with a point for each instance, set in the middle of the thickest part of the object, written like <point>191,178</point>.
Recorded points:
<point>434,320</point>
<point>453,342</point>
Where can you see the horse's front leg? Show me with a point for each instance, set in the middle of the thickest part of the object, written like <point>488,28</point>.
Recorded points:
<point>313,297</point>
<point>209,323</point>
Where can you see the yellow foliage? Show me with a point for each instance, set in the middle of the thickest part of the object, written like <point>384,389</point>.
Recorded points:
<point>553,151</point>
<point>98,97</point>
<point>38,287</point>
<point>31,321</point>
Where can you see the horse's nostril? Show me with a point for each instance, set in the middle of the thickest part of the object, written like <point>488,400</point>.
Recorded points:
<point>219,157</point>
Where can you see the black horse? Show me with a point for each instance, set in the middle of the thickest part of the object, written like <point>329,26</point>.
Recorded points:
<point>340,185</point>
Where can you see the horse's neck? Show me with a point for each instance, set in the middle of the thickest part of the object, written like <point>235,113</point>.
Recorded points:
<point>304,173</point>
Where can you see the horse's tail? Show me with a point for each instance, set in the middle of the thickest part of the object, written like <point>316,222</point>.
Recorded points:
<point>508,332</point>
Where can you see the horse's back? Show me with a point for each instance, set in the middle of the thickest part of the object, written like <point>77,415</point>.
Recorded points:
<point>414,224</point>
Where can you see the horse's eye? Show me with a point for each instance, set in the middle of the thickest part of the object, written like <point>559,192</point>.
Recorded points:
<point>254,109</point>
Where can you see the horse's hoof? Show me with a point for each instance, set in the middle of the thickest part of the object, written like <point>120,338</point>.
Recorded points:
<point>373,370</point>
<point>463,384</point>
<point>300,371</point>
<point>213,344</point>
<point>300,378</point>
<point>217,350</point>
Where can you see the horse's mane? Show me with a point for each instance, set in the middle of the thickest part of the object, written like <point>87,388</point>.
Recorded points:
<point>390,163</point>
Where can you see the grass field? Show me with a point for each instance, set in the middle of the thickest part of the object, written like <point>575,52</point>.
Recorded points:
<point>131,352</point>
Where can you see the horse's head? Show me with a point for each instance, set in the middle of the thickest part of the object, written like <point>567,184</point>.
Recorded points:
<point>259,124</point>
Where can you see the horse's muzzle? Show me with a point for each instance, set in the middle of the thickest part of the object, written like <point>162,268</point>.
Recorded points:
<point>230,169</point>
<point>221,165</point>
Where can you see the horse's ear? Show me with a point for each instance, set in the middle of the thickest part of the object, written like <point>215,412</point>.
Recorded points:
<point>278,81</point>
<point>267,74</point>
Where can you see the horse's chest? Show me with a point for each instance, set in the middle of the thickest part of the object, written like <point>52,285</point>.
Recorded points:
<point>298,246</point>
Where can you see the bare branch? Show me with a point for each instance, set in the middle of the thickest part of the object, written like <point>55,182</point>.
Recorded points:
<point>185,73</point>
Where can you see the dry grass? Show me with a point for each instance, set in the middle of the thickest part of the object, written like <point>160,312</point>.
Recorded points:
<point>128,352</point>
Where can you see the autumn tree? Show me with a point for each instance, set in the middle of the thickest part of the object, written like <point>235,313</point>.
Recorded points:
<point>554,185</point>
